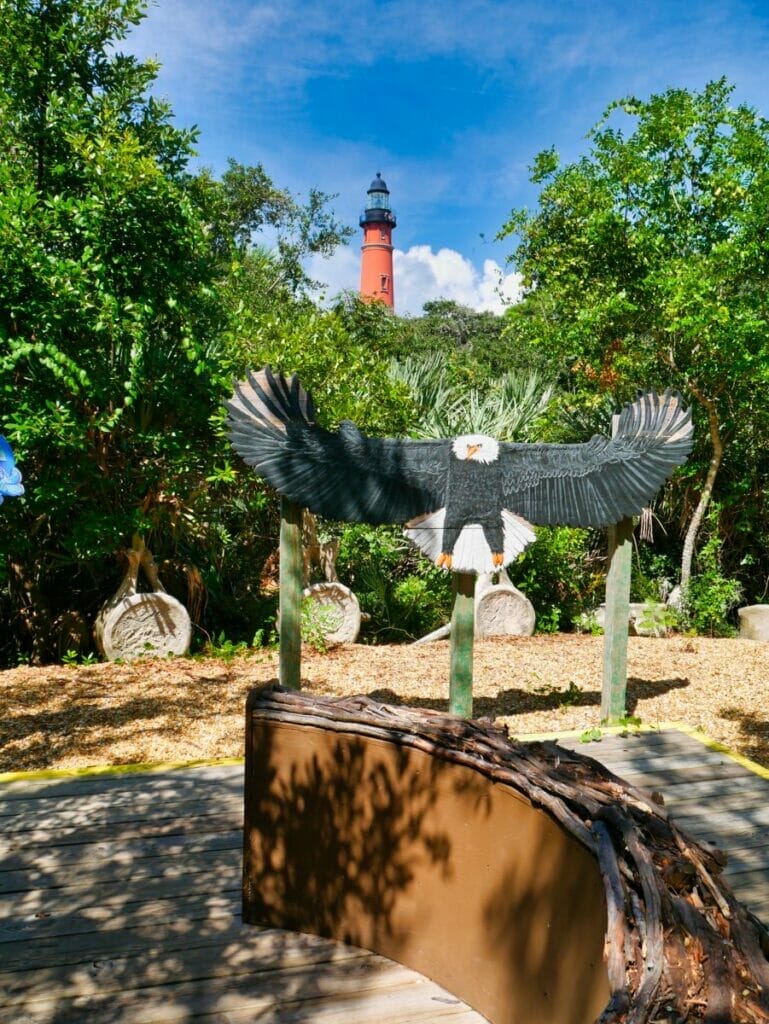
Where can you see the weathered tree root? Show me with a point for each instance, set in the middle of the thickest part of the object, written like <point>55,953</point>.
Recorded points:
<point>679,946</point>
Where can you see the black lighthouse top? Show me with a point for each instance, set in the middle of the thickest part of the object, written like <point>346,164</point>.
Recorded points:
<point>378,206</point>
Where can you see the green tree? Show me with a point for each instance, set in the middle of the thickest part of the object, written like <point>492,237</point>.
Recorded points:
<point>646,263</point>
<point>345,373</point>
<point>105,300</point>
<point>127,286</point>
<point>474,343</point>
<point>239,208</point>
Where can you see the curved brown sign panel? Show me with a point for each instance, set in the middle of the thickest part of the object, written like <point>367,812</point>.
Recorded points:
<point>370,841</point>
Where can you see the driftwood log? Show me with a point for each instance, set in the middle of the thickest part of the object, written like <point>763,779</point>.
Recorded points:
<point>679,947</point>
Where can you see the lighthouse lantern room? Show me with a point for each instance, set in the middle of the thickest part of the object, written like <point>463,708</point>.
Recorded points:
<point>377,221</point>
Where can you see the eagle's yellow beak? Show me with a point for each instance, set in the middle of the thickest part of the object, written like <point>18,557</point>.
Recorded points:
<point>472,449</point>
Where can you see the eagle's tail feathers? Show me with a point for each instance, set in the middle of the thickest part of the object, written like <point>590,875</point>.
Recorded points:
<point>471,551</point>
<point>518,534</point>
<point>426,531</point>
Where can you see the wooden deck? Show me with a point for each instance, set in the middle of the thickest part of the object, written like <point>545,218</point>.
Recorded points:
<point>119,898</point>
<point>706,792</point>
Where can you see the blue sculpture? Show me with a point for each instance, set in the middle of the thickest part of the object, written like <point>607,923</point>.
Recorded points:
<point>10,477</point>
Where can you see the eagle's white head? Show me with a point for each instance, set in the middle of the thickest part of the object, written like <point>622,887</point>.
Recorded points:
<point>477,447</point>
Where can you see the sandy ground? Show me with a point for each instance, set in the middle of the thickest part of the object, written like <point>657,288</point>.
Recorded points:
<point>186,709</point>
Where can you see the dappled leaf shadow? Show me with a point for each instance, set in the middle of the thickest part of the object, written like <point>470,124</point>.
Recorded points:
<point>121,898</point>
<point>754,733</point>
<point>333,843</point>
<point>545,940</point>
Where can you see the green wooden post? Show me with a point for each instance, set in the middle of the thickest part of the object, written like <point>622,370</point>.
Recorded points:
<point>462,635</point>
<point>616,624</point>
<point>290,595</point>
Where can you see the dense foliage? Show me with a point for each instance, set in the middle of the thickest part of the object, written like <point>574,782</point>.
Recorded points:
<point>130,295</point>
<point>647,263</point>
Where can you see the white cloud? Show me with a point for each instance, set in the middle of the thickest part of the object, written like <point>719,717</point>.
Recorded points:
<point>337,273</point>
<point>265,44</point>
<point>422,275</point>
<point>284,44</point>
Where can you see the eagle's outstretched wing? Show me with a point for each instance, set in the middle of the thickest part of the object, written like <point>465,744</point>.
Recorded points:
<point>603,480</point>
<point>342,475</point>
<point>10,477</point>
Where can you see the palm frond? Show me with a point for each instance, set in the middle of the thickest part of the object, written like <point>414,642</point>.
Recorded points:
<point>508,409</point>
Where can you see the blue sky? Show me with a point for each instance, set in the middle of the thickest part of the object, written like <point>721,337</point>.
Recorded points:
<point>451,101</point>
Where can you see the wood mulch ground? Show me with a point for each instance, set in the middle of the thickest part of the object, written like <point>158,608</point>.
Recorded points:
<point>186,709</point>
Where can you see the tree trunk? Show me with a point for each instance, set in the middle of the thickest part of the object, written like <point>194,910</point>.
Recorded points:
<point>33,613</point>
<point>707,491</point>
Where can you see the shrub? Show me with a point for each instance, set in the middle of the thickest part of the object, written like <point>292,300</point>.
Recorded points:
<point>405,595</point>
<point>561,574</point>
<point>711,596</point>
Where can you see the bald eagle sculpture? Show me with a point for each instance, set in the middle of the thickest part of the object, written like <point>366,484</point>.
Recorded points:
<point>468,502</point>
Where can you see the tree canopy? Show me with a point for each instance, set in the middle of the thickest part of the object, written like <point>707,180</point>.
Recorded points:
<point>127,286</point>
<point>646,263</point>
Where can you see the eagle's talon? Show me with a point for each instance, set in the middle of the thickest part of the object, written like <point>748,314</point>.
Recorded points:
<point>497,558</point>
<point>443,560</point>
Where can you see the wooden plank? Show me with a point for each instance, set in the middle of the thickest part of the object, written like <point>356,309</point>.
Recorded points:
<point>750,819</point>
<point>733,831</point>
<point>77,898</point>
<point>161,781</point>
<point>418,1003</point>
<point>155,965</point>
<point>748,802</point>
<point>177,934</point>
<point>749,885</point>
<point>719,768</point>
<point>746,841</point>
<point>31,821</point>
<point>685,791</point>
<point>136,796</point>
<point>760,908</point>
<point>748,859</point>
<point>104,918</point>
<point>666,741</point>
<point>632,739</point>
<point>134,830</point>
<point>119,851</point>
<point>18,883</point>
<point>681,757</point>
<point>253,991</point>
<point>661,778</point>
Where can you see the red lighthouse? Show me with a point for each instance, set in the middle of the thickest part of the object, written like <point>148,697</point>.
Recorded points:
<point>377,221</point>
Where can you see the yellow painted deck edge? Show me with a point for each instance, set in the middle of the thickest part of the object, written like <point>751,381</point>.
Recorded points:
<point>42,774</point>
<point>605,730</point>
<point>721,748</point>
<point>166,766</point>
<point>696,734</point>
